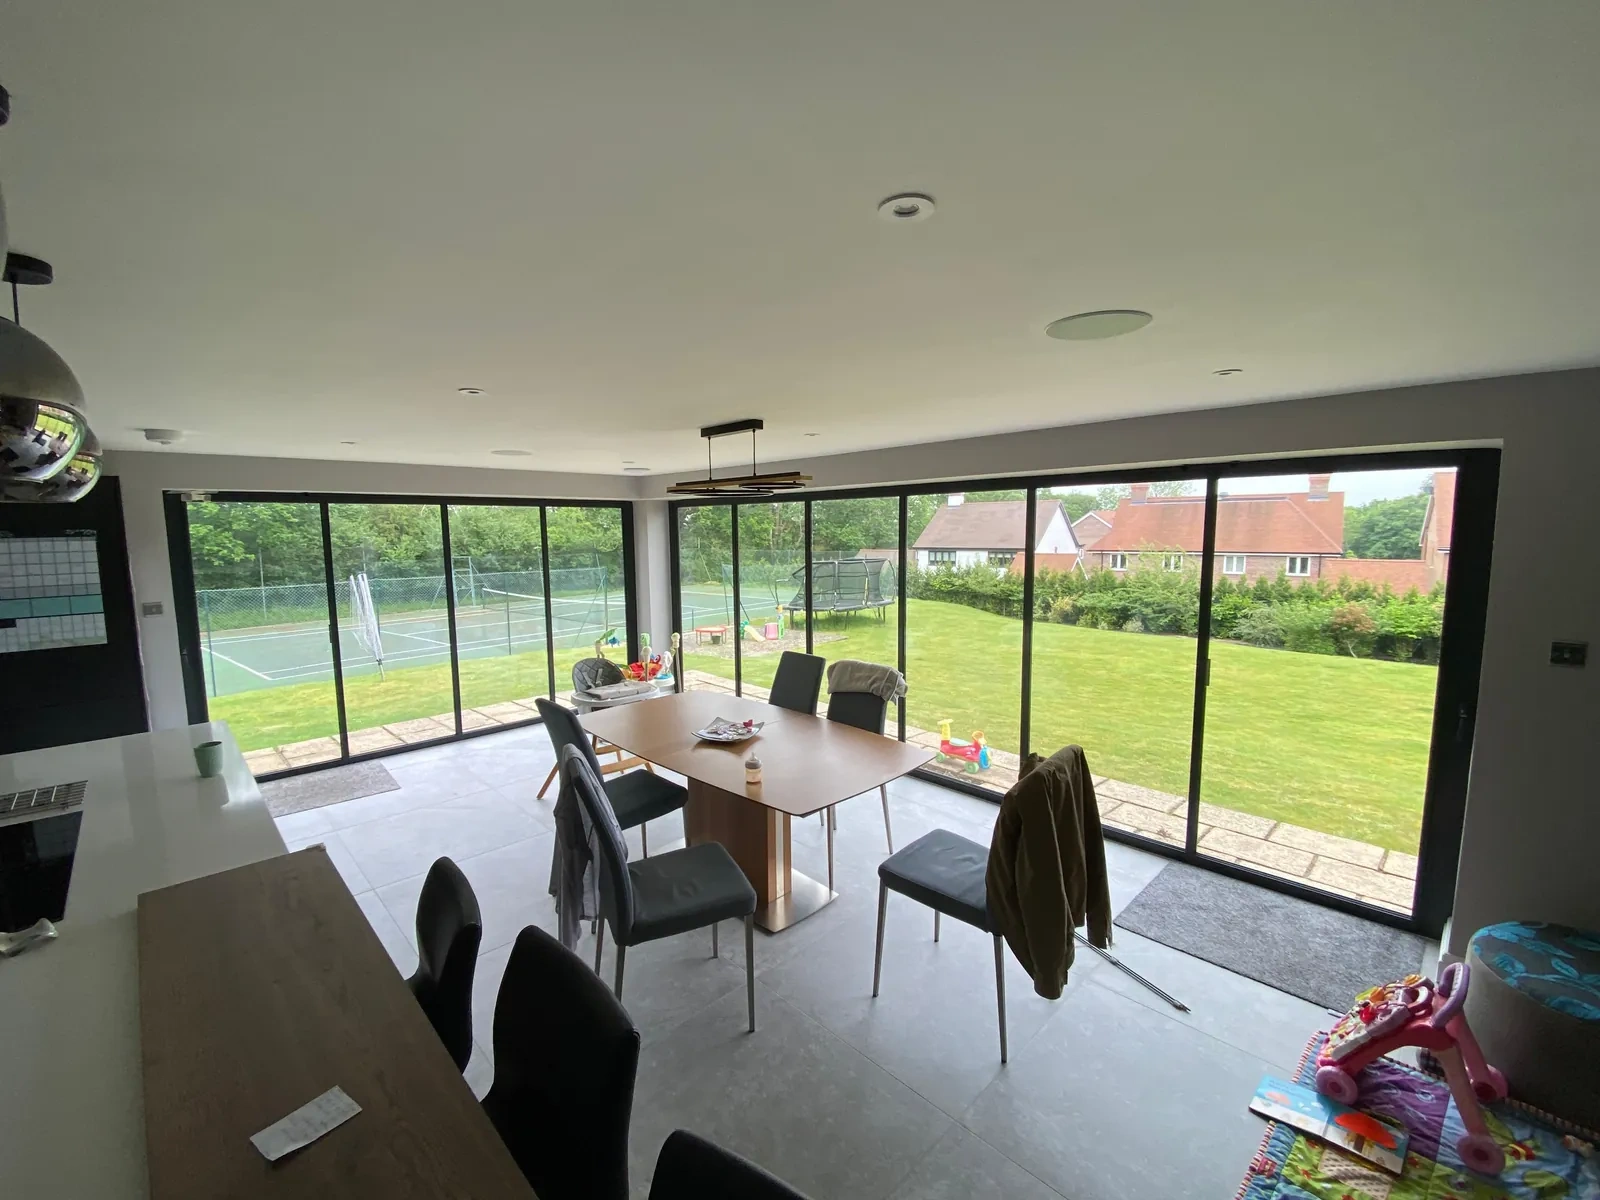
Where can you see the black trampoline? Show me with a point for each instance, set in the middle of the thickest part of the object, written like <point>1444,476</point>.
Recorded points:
<point>846,585</point>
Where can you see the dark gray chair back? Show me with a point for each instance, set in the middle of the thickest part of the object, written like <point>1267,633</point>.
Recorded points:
<point>595,672</point>
<point>616,891</point>
<point>565,1057</point>
<point>449,931</point>
<point>561,724</point>
<point>692,1168</point>
<point>798,682</point>
<point>860,709</point>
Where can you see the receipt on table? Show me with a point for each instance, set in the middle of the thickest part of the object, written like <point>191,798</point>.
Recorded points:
<point>305,1124</point>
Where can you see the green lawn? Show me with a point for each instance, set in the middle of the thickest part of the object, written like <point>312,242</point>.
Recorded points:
<point>1335,744</point>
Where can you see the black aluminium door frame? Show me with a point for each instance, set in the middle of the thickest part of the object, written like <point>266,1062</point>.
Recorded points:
<point>1460,646</point>
<point>186,615</point>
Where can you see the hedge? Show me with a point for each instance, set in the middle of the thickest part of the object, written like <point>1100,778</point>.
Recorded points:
<point>1350,617</point>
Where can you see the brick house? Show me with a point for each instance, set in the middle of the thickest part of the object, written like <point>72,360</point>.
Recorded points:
<point>991,533</point>
<point>1300,535</point>
<point>1258,537</point>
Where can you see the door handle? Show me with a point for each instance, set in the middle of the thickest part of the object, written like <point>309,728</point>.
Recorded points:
<point>1464,725</point>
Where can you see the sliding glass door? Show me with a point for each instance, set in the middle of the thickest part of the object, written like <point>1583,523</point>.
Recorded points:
<point>1262,668</point>
<point>1116,606</point>
<point>261,602</point>
<point>1326,622</point>
<point>964,630</point>
<point>334,628</point>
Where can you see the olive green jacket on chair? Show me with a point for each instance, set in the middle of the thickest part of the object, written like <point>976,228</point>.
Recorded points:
<point>1047,867</point>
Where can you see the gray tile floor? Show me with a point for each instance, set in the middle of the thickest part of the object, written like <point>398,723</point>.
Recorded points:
<point>1109,1092</point>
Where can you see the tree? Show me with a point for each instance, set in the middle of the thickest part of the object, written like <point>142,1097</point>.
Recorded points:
<point>1385,528</point>
<point>1077,504</point>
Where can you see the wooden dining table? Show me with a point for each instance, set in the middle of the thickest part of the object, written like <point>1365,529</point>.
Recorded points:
<point>808,764</point>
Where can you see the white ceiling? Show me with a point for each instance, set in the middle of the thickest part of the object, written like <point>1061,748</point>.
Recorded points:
<point>282,226</point>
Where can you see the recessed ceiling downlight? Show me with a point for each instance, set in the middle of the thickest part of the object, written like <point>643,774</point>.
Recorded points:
<point>907,206</point>
<point>470,391</point>
<point>636,470</point>
<point>1091,326</point>
<point>511,453</point>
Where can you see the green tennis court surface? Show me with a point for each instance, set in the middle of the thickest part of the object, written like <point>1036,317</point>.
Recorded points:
<point>240,660</point>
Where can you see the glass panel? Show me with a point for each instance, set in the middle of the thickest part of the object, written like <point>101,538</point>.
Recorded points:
<point>856,583</point>
<point>964,631</point>
<point>1116,612</point>
<point>705,582</point>
<point>394,631</point>
<point>771,587</point>
<point>1323,671</point>
<point>500,627</point>
<point>262,600</point>
<point>589,617</point>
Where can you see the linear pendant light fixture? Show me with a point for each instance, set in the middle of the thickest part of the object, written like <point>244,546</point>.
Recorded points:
<point>753,484</point>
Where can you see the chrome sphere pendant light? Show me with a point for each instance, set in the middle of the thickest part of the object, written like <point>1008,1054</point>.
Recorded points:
<point>48,455</point>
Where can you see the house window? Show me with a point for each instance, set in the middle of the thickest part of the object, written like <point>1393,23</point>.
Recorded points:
<point>1299,564</point>
<point>935,557</point>
<point>1000,558</point>
<point>1233,564</point>
<point>1172,562</point>
<point>1117,562</point>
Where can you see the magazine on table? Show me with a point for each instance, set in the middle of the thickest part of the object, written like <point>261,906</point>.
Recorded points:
<point>724,730</point>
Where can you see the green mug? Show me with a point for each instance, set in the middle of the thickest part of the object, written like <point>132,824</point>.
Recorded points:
<point>208,758</point>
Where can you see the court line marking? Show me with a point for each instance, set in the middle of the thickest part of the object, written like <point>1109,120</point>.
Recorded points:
<point>241,666</point>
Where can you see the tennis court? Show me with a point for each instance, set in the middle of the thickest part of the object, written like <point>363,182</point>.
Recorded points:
<point>489,622</point>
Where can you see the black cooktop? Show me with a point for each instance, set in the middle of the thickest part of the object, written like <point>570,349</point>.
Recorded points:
<point>35,868</point>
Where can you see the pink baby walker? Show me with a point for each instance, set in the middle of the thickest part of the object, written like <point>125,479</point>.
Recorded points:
<point>1415,1012</point>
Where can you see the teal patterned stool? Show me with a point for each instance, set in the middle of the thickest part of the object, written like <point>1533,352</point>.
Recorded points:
<point>1535,1008</point>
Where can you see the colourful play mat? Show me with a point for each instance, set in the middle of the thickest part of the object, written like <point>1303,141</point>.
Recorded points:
<point>1545,1159</point>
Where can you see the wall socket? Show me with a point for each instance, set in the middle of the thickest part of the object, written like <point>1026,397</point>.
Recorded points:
<point>1569,654</point>
<point>151,608</point>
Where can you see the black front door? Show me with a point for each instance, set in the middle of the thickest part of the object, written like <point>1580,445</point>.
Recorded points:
<point>69,652</point>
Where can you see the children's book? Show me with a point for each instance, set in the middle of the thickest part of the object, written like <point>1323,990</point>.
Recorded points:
<point>1381,1143</point>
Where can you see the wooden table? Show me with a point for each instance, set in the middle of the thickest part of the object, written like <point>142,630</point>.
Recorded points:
<point>807,764</point>
<point>259,989</point>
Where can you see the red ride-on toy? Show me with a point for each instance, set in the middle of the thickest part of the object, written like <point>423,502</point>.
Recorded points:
<point>1415,1012</point>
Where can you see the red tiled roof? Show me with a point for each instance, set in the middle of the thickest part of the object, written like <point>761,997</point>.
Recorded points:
<point>1284,524</point>
<point>1402,574</point>
<point>984,525</point>
<point>1442,507</point>
<point>1043,562</point>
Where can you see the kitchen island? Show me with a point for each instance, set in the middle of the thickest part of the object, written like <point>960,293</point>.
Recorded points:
<point>70,1074</point>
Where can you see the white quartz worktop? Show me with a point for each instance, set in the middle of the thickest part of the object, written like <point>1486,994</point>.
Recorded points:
<point>70,1077</point>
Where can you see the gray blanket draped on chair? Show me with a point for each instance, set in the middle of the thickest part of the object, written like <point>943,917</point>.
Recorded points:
<point>572,868</point>
<point>853,675</point>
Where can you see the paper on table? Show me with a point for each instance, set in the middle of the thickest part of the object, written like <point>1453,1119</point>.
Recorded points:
<point>305,1124</point>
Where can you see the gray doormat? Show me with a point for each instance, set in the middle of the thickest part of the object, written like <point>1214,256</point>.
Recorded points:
<point>318,788</point>
<point>1316,953</point>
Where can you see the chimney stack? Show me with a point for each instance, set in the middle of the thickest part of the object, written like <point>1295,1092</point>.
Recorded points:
<point>1319,487</point>
<point>1141,492</point>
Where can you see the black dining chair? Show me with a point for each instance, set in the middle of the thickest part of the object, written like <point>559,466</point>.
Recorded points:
<point>591,673</point>
<point>565,1057</point>
<point>657,897</point>
<point>692,1168</point>
<point>449,930</point>
<point>948,873</point>
<point>798,682</point>
<point>636,797</point>
<point>861,710</point>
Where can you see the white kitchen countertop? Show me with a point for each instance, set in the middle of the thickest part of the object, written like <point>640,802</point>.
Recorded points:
<point>71,1086</point>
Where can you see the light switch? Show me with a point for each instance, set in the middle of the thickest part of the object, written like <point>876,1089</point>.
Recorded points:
<point>151,608</point>
<point>1569,654</point>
